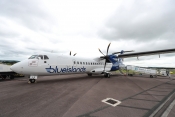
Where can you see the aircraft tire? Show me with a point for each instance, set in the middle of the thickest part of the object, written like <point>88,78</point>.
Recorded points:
<point>107,75</point>
<point>151,76</point>
<point>32,80</point>
<point>89,74</point>
<point>4,77</point>
<point>11,76</point>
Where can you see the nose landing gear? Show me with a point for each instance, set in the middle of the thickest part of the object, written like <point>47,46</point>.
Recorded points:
<point>32,79</point>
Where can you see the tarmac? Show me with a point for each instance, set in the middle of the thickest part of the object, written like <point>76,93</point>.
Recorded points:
<point>80,95</point>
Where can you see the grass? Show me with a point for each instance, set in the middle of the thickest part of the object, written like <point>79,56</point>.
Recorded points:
<point>173,70</point>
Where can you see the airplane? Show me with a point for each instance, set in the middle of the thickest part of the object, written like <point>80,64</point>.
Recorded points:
<point>52,64</point>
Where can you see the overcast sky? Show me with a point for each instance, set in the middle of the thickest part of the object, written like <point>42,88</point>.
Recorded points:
<point>83,26</point>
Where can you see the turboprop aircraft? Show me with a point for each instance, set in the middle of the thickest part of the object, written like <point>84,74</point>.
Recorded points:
<point>52,64</point>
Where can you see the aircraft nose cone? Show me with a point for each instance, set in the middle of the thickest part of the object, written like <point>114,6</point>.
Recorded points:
<point>16,68</point>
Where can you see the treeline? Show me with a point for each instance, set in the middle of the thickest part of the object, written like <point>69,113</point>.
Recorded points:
<point>8,62</point>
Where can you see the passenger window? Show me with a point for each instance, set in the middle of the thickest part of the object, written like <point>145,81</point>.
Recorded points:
<point>86,63</point>
<point>74,62</point>
<point>77,62</point>
<point>83,63</point>
<point>91,63</point>
<point>46,57</point>
<point>80,62</point>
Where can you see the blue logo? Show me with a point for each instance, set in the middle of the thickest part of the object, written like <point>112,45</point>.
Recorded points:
<point>65,70</point>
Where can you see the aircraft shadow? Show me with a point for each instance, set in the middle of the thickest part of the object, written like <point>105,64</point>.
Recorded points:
<point>66,79</point>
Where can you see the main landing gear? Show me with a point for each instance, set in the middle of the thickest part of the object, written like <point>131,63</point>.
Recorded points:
<point>107,75</point>
<point>89,74</point>
<point>32,79</point>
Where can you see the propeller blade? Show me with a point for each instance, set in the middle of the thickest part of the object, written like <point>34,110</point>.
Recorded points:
<point>105,57</point>
<point>70,53</point>
<point>100,51</point>
<point>105,65</point>
<point>74,54</point>
<point>108,48</point>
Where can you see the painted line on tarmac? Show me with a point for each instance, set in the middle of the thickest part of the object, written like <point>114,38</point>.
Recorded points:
<point>102,108</point>
<point>168,110</point>
<point>160,107</point>
<point>133,107</point>
<point>144,99</point>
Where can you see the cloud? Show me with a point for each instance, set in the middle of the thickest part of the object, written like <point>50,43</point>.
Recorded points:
<point>141,21</point>
<point>31,14</point>
<point>39,26</point>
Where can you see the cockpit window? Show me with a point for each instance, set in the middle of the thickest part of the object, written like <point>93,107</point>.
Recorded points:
<point>38,56</point>
<point>33,56</point>
<point>41,56</point>
<point>46,57</point>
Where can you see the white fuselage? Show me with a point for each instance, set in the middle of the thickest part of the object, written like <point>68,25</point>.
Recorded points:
<point>55,64</point>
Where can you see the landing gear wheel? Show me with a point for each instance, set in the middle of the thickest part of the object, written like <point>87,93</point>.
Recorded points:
<point>130,74</point>
<point>32,80</point>
<point>151,76</point>
<point>89,74</point>
<point>4,77</point>
<point>11,76</point>
<point>107,75</point>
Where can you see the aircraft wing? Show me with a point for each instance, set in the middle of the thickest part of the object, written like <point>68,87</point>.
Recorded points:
<point>147,53</point>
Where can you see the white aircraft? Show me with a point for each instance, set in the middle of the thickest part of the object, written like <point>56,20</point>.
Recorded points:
<point>52,64</point>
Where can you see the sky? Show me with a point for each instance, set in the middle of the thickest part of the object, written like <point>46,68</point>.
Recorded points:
<point>83,26</point>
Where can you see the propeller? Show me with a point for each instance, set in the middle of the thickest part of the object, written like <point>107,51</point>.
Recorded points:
<point>105,56</point>
<point>73,55</point>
